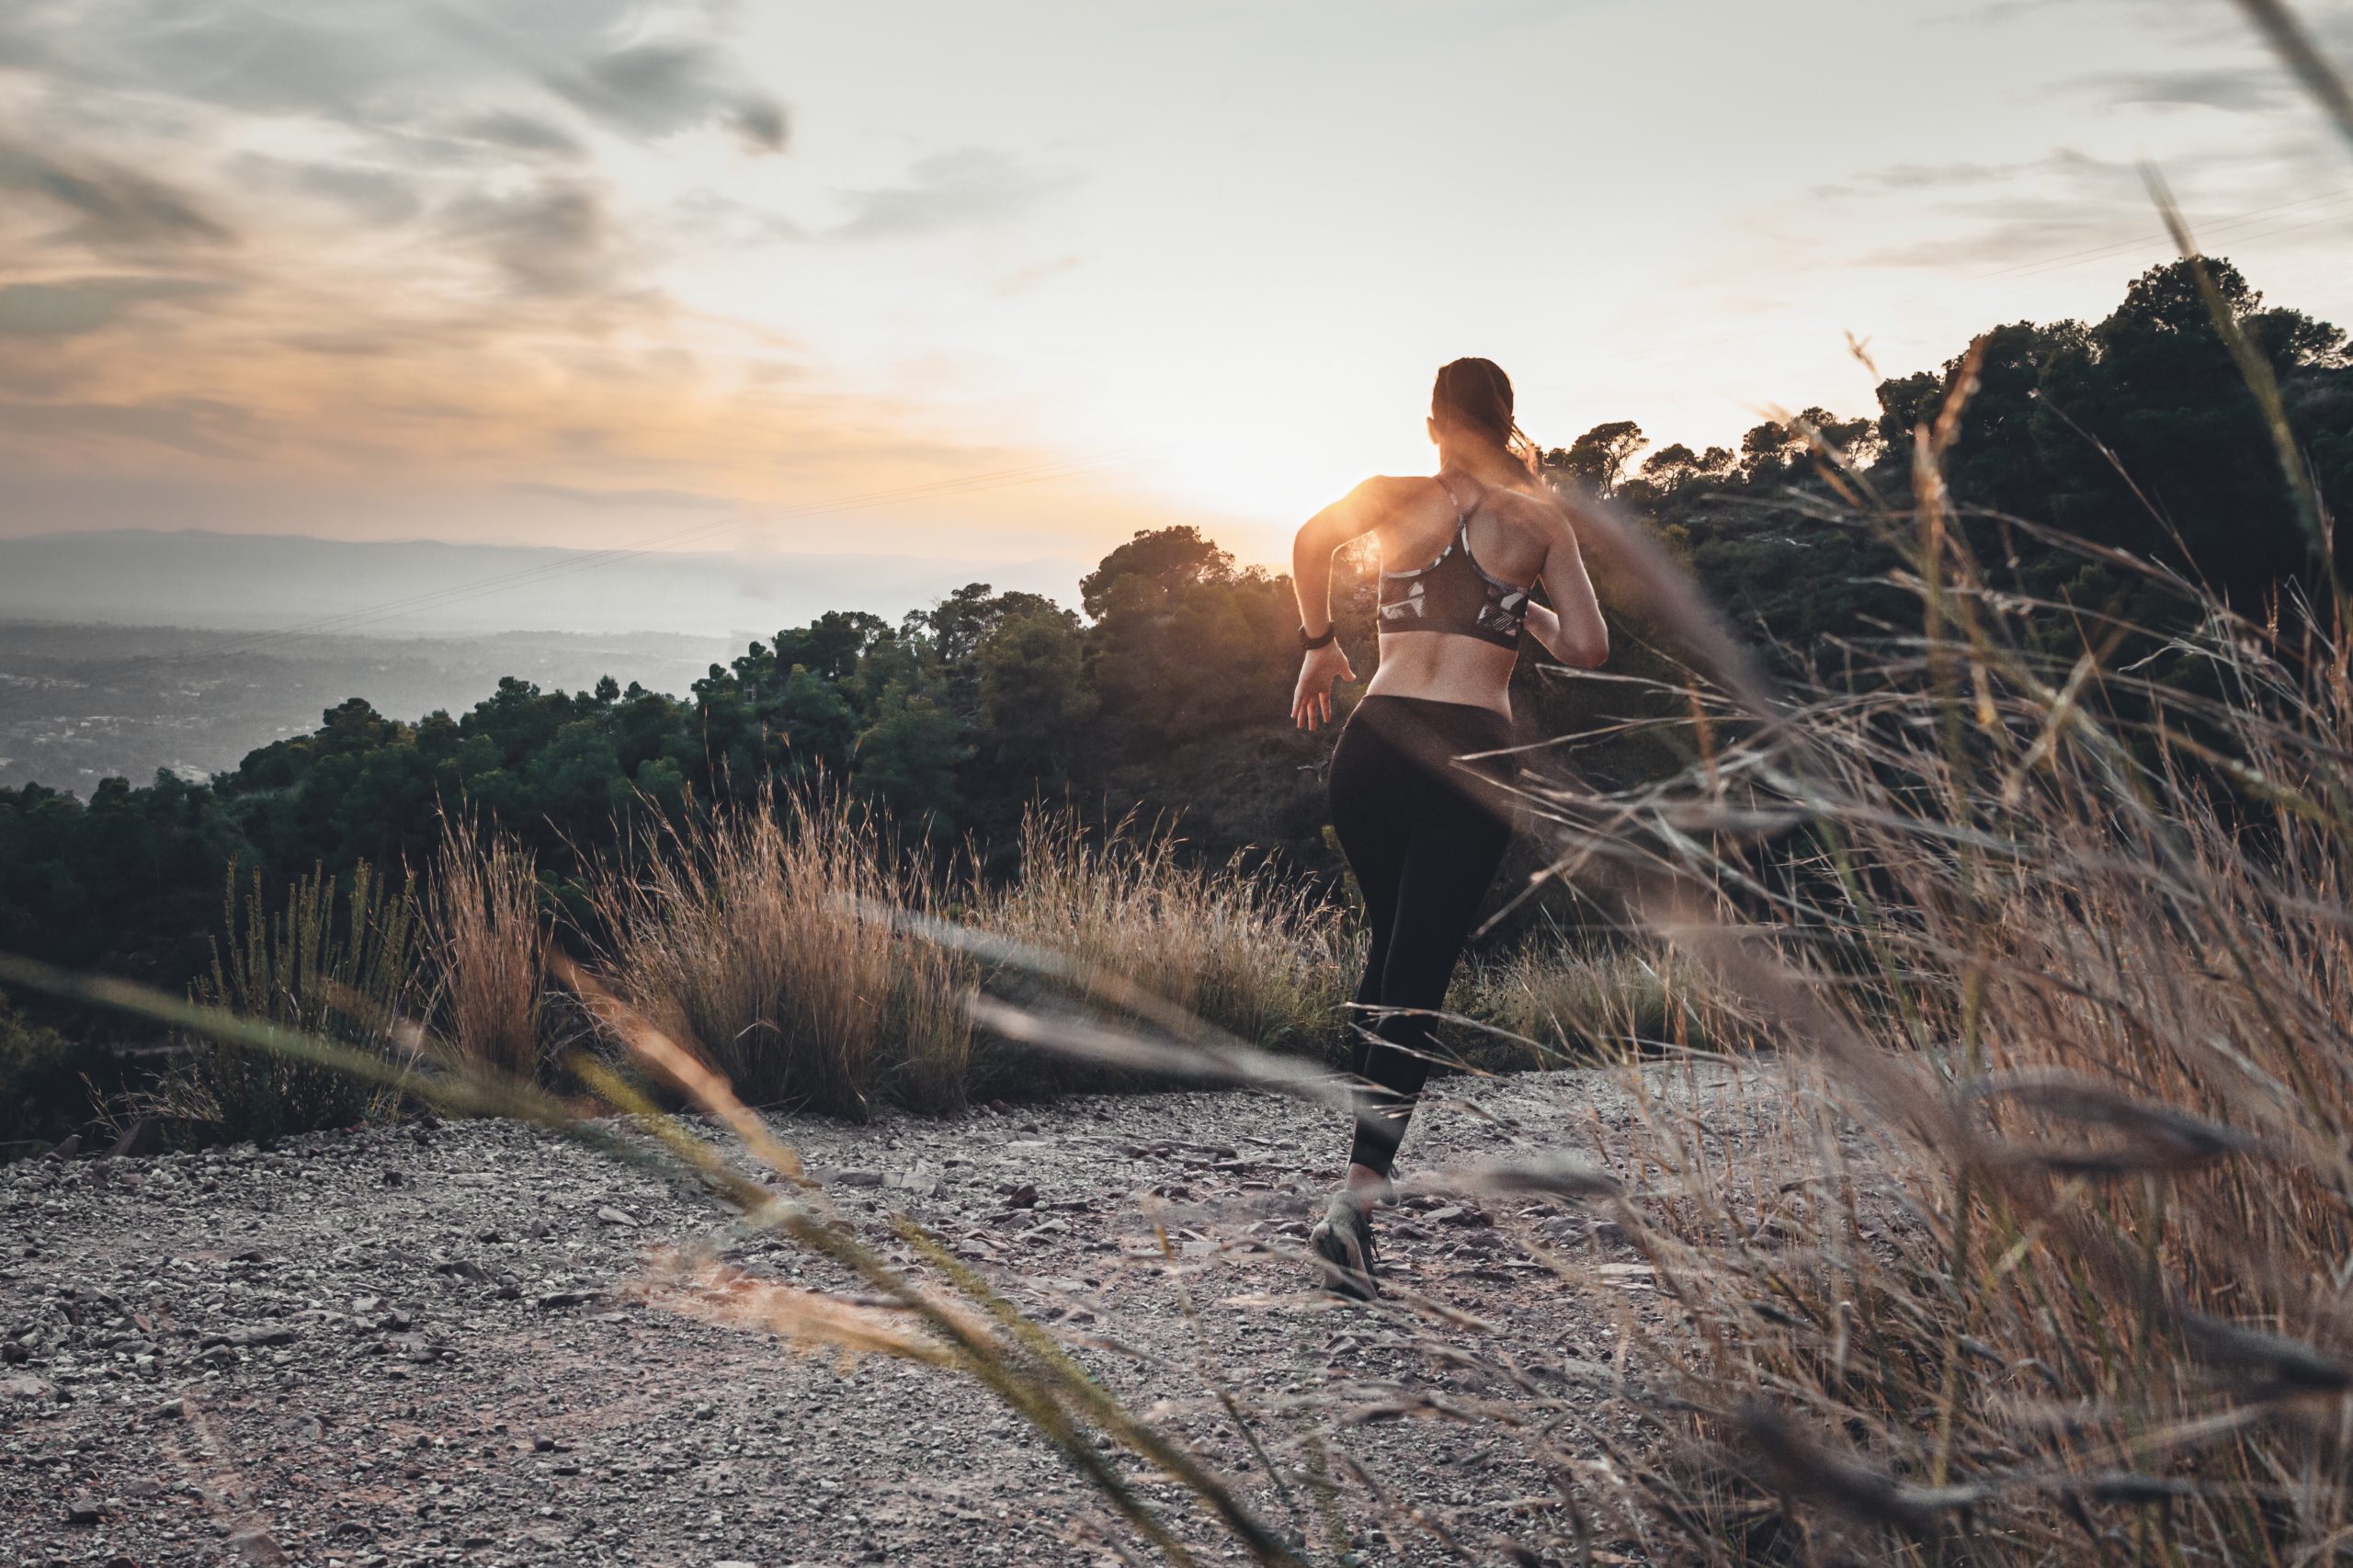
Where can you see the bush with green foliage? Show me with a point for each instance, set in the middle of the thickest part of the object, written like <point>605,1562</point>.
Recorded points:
<point>337,961</point>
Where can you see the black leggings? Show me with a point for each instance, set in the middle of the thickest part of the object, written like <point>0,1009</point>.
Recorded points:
<point>1424,835</point>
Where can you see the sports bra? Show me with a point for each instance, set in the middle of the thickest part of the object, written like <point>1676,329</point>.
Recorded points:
<point>1454,592</point>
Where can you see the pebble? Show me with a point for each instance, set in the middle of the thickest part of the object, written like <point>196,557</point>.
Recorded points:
<point>258,1546</point>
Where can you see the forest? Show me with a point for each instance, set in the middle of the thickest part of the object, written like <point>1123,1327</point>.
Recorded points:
<point>1163,694</point>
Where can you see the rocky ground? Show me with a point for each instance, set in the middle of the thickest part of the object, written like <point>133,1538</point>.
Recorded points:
<point>425,1344</point>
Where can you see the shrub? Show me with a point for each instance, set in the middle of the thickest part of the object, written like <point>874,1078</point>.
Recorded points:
<point>337,961</point>
<point>48,1085</point>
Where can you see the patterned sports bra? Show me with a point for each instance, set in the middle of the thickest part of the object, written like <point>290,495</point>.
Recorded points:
<point>1454,592</point>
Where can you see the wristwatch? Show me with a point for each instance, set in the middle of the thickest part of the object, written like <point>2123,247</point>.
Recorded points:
<point>1310,643</point>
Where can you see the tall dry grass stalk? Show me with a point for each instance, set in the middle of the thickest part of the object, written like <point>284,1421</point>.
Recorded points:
<point>763,939</point>
<point>1236,945</point>
<point>486,937</point>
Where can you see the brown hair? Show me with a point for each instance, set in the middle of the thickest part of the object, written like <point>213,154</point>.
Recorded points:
<point>1475,395</point>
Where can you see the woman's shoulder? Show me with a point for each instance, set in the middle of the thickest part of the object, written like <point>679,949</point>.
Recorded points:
<point>1386,492</point>
<point>1526,507</point>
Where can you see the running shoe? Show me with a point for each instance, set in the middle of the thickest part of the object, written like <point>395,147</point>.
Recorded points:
<point>1344,1253</point>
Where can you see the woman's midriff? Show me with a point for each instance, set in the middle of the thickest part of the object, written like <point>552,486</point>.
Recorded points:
<point>1444,667</point>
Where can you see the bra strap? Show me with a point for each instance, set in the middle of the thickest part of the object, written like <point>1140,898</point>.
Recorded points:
<point>1461,513</point>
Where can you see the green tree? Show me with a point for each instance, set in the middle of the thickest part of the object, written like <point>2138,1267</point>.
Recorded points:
<point>1034,692</point>
<point>907,759</point>
<point>1596,461</point>
<point>1167,557</point>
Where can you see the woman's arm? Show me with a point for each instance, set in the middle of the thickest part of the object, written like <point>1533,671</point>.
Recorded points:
<point>1572,630</point>
<point>1352,516</point>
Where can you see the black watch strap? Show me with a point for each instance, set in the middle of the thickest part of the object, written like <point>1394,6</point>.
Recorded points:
<point>1305,641</point>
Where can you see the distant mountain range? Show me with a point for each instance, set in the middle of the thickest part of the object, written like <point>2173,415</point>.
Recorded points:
<point>264,582</point>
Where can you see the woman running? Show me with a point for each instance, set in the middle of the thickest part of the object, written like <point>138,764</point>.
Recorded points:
<point>1423,831</point>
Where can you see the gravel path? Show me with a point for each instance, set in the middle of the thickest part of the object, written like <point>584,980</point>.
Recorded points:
<point>420,1345</point>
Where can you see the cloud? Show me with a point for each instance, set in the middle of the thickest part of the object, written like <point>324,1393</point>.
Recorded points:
<point>199,425</point>
<point>555,239</point>
<point>760,122</point>
<point>382,197</point>
<point>2064,162</point>
<point>403,252</point>
<point>487,67</point>
<point>705,212</point>
<point>2014,229</point>
<point>508,131</point>
<point>109,206</point>
<point>2246,90</point>
<point>947,190</point>
<point>660,88</point>
<point>85,304</point>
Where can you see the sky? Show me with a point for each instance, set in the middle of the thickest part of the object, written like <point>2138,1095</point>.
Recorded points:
<point>1012,281</point>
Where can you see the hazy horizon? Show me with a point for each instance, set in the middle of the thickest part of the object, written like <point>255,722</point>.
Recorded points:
<point>211,581</point>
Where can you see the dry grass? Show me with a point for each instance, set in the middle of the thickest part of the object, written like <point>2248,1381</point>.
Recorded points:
<point>2036,1253</point>
<point>773,939</point>
<point>1551,1002</point>
<point>1236,945</point>
<point>2043,1257</point>
<point>765,939</point>
<point>486,934</point>
<point>2092,1015</point>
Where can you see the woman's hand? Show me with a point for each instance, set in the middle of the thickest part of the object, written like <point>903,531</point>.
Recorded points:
<point>1311,702</point>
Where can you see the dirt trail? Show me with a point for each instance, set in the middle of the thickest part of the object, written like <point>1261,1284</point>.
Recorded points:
<point>407,1346</point>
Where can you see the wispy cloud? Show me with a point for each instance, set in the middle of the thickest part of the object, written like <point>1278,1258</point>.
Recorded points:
<point>971,186</point>
<point>555,238</point>
<point>2239,89</point>
<point>1028,278</point>
<point>86,304</point>
<point>509,131</point>
<point>107,206</point>
<point>657,89</point>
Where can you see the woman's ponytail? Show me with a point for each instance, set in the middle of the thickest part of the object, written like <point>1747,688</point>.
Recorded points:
<point>1476,394</point>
